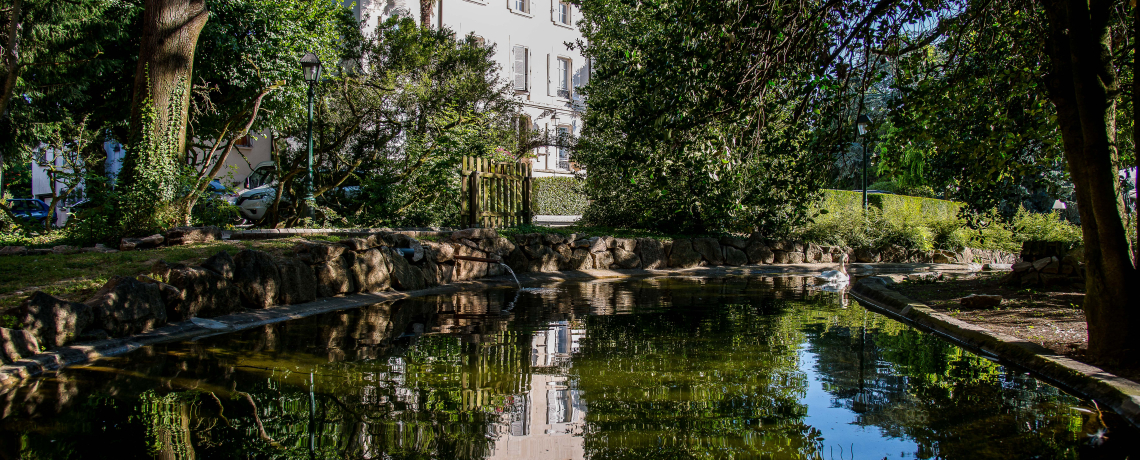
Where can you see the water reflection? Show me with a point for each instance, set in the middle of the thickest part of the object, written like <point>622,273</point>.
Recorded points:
<point>658,368</point>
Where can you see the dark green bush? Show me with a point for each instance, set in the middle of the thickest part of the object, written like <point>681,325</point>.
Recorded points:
<point>559,196</point>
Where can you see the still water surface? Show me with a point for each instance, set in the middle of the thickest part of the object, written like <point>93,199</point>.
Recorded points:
<point>663,368</point>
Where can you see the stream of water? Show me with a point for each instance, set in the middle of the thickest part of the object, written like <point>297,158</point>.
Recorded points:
<point>658,368</point>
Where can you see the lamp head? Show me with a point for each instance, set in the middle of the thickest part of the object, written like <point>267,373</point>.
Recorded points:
<point>1059,205</point>
<point>311,65</point>
<point>864,122</point>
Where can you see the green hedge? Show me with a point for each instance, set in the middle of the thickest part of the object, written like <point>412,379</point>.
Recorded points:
<point>904,208</point>
<point>559,196</point>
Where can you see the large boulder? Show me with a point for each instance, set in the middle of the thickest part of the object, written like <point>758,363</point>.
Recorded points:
<point>360,244</point>
<point>602,260</point>
<point>781,257</point>
<point>683,255</point>
<point>866,255</point>
<point>470,269</point>
<point>298,284</point>
<point>497,245</point>
<point>405,276</point>
<point>371,270</point>
<point>130,244</point>
<point>734,257</point>
<point>546,260</point>
<point>734,241</point>
<point>709,249</point>
<point>625,259</point>
<point>651,253</point>
<point>580,259</point>
<point>629,244</point>
<point>54,322</point>
<point>314,253</point>
<point>186,235</point>
<point>601,244</point>
<point>813,253</point>
<point>257,278</point>
<point>202,293</point>
<point>222,264</point>
<point>474,234</point>
<point>795,257</point>
<point>516,260</point>
<point>333,278</point>
<point>16,345</point>
<point>126,306</point>
<point>758,252</point>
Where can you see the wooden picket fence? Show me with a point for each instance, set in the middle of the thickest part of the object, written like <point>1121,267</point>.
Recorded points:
<point>495,195</point>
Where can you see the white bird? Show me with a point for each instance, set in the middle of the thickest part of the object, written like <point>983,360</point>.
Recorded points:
<point>836,276</point>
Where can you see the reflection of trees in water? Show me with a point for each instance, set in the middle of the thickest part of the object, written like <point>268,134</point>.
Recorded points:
<point>707,367</point>
<point>951,403</point>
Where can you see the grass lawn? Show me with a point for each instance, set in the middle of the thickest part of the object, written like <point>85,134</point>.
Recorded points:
<point>76,276</point>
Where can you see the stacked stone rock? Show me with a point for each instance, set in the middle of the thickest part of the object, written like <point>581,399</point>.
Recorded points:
<point>252,279</point>
<point>1047,271</point>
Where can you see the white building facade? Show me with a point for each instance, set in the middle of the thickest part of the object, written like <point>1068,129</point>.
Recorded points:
<point>531,40</point>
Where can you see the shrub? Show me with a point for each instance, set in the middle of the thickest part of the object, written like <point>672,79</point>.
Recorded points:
<point>1030,226</point>
<point>560,196</point>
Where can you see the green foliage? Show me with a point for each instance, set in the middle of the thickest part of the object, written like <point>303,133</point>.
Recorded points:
<point>694,124</point>
<point>1031,226</point>
<point>561,196</point>
<point>214,211</point>
<point>151,174</point>
<point>924,223</point>
<point>970,114</point>
<point>399,131</point>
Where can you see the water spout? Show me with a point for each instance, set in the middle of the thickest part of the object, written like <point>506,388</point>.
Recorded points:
<point>512,272</point>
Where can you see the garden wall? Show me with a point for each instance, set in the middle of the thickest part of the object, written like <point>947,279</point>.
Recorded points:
<point>386,261</point>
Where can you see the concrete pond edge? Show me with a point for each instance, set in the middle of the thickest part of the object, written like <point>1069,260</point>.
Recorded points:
<point>11,375</point>
<point>1109,390</point>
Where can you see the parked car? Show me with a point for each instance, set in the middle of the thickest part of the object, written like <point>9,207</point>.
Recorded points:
<point>31,210</point>
<point>254,203</point>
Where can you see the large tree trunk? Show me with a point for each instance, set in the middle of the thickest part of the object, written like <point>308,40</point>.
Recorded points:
<point>11,63</point>
<point>1083,85</point>
<point>166,63</point>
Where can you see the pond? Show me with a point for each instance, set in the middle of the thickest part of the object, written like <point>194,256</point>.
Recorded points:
<point>669,368</point>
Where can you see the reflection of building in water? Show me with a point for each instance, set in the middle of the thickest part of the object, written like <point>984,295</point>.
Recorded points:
<point>547,421</point>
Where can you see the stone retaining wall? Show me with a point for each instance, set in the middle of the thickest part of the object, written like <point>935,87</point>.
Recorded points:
<point>227,283</point>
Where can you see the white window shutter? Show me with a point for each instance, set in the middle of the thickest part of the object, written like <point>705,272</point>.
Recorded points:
<point>548,75</point>
<point>520,67</point>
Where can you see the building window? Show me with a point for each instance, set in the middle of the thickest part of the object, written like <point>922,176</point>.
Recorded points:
<point>244,141</point>
<point>563,152</point>
<point>563,12</point>
<point>564,78</point>
<point>522,6</point>
<point>521,66</point>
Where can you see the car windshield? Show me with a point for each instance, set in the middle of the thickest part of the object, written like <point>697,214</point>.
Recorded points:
<point>261,177</point>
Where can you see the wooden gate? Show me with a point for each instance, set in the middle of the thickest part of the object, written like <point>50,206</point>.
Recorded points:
<point>495,195</point>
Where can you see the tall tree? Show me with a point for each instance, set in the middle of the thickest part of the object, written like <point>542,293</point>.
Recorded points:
<point>1083,84</point>
<point>159,111</point>
<point>170,31</point>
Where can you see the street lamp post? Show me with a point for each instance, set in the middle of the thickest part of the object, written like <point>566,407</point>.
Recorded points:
<point>311,65</point>
<point>864,122</point>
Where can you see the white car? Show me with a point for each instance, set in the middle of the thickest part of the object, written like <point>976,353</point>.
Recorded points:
<point>261,189</point>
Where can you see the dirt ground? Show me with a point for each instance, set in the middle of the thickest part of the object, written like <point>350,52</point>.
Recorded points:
<point>1050,317</point>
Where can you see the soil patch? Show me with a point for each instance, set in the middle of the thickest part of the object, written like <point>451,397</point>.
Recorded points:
<point>1052,317</point>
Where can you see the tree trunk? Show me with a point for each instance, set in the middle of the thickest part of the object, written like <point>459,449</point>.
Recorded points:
<point>166,63</point>
<point>425,12</point>
<point>1083,85</point>
<point>11,62</point>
